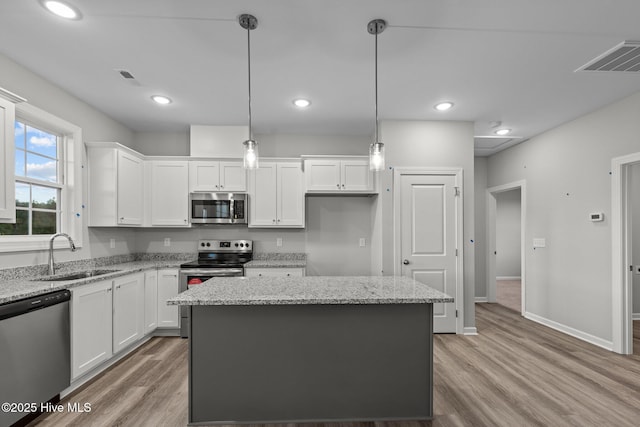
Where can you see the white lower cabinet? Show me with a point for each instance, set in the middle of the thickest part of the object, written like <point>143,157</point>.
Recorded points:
<point>150,301</point>
<point>168,315</point>
<point>128,310</point>
<point>91,326</point>
<point>274,272</point>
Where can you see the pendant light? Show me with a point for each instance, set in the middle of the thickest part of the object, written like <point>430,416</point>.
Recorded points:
<point>376,149</point>
<point>249,22</point>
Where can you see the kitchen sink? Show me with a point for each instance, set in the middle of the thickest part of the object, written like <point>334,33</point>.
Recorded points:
<point>76,276</point>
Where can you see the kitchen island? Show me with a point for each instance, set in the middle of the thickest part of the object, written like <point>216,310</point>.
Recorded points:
<point>285,349</point>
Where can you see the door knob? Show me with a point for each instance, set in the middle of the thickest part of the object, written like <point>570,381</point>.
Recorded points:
<point>405,262</point>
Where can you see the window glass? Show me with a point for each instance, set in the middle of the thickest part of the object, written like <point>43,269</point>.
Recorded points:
<point>42,168</point>
<point>38,188</point>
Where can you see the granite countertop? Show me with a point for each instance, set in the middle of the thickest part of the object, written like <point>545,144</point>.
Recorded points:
<point>278,260</point>
<point>310,290</point>
<point>30,286</point>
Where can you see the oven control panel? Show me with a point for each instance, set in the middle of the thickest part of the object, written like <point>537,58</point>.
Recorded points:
<point>224,245</point>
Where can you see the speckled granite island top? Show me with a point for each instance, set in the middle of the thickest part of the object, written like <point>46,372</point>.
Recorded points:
<point>310,290</point>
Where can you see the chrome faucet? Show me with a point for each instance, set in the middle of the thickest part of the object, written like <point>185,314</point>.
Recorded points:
<point>72,245</point>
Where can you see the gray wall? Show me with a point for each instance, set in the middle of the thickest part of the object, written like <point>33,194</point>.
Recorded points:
<point>508,234</point>
<point>429,145</point>
<point>95,125</point>
<point>635,220</point>
<point>480,188</point>
<point>567,173</point>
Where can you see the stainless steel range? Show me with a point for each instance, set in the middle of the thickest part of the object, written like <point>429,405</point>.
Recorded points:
<point>216,258</point>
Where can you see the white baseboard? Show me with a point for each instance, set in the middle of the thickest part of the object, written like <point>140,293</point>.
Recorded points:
<point>482,299</point>
<point>508,278</point>
<point>592,339</point>
<point>635,316</point>
<point>469,330</point>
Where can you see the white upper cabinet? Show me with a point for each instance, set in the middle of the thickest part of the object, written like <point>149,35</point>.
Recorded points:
<point>211,176</point>
<point>7,159</point>
<point>338,175</point>
<point>116,176</point>
<point>276,196</point>
<point>169,193</point>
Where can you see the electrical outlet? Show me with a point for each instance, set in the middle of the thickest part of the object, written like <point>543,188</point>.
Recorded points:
<point>363,242</point>
<point>279,242</point>
<point>112,243</point>
<point>167,241</point>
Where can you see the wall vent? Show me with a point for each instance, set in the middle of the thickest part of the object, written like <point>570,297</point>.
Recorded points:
<point>623,57</point>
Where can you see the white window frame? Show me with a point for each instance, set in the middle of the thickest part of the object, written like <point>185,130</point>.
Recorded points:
<point>71,212</point>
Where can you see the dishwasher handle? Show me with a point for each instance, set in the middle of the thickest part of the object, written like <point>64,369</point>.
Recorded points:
<point>22,306</point>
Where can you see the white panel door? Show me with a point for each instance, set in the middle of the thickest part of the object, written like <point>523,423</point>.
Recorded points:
<point>204,176</point>
<point>233,176</point>
<point>169,193</point>
<point>263,193</point>
<point>356,175</point>
<point>130,189</point>
<point>290,197</point>
<point>428,233</point>
<point>322,175</point>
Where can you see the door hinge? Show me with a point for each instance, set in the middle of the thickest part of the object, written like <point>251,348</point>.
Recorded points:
<point>456,251</point>
<point>457,191</point>
<point>456,313</point>
<point>631,268</point>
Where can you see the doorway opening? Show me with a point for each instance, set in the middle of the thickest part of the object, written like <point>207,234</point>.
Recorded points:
<point>506,213</point>
<point>625,190</point>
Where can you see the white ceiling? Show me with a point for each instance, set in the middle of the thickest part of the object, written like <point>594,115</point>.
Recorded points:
<point>508,61</point>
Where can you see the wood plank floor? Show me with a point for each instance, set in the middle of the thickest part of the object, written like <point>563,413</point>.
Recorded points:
<point>515,373</point>
<point>509,294</point>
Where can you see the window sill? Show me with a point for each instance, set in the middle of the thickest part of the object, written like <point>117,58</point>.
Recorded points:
<point>32,243</point>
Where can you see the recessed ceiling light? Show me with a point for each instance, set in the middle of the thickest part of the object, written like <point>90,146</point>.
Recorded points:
<point>444,106</point>
<point>301,103</point>
<point>61,9</point>
<point>503,132</point>
<point>162,100</point>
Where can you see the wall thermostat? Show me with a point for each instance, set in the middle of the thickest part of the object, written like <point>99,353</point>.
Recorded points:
<point>596,216</point>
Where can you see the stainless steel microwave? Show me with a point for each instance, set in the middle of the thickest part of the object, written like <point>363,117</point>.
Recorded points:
<point>218,208</point>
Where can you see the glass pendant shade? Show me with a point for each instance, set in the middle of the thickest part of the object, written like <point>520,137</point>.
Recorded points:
<point>250,154</point>
<point>376,156</point>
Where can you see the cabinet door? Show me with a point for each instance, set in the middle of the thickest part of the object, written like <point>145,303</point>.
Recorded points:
<point>128,310</point>
<point>274,272</point>
<point>204,176</point>
<point>290,197</point>
<point>169,193</point>
<point>129,189</point>
<point>262,196</point>
<point>356,175</point>
<point>7,159</point>
<point>322,175</point>
<point>91,327</point>
<point>150,301</point>
<point>168,315</point>
<point>233,176</point>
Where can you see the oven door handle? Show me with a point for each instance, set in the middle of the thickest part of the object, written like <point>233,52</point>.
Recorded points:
<point>213,272</point>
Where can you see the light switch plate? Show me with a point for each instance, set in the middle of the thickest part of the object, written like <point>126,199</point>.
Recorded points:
<point>112,243</point>
<point>363,242</point>
<point>279,242</point>
<point>167,241</point>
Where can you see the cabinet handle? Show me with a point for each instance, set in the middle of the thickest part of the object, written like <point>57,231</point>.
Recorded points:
<point>118,287</point>
<point>221,186</point>
<point>288,274</point>
<point>108,289</point>
<point>338,185</point>
<point>121,219</point>
<point>216,185</point>
<point>259,274</point>
<point>273,220</point>
<point>278,220</point>
<point>342,185</point>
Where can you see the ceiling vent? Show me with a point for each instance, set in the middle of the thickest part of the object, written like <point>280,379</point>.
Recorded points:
<point>128,77</point>
<point>623,57</point>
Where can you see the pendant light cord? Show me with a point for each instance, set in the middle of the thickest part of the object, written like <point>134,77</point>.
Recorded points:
<point>249,78</point>
<point>376,84</point>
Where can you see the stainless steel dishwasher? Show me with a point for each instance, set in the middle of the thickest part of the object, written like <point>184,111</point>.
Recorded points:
<point>35,353</point>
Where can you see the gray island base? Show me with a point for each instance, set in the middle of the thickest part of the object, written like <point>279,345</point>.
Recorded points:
<point>310,349</point>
